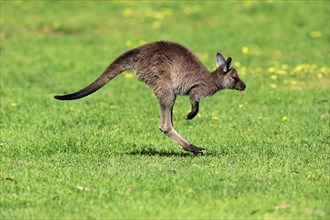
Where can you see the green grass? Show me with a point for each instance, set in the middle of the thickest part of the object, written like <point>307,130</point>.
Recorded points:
<point>103,156</point>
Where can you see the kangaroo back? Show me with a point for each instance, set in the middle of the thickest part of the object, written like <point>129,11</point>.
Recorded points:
<point>124,62</point>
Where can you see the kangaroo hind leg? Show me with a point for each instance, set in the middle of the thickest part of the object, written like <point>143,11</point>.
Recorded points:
<point>166,123</point>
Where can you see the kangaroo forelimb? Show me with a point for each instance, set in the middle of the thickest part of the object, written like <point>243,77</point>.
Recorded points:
<point>194,110</point>
<point>194,99</point>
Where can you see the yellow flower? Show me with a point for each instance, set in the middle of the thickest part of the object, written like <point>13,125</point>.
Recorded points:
<point>293,82</point>
<point>127,12</point>
<point>284,118</point>
<point>237,64</point>
<point>242,70</point>
<point>324,69</point>
<point>316,34</point>
<point>159,15</point>
<point>297,69</point>
<point>204,56</point>
<point>273,77</point>
<point>248,4</point>
<point>271,69</point>
<point>129,43</point>
<point>18,2</point>
<point>273,86</point>
<point>141,42</point>
<point>129,75</point>
<point>240,106</point>
<point>281,72</point>
<point>189,9</point>
<point>215,118</point>
<point>245,50</point>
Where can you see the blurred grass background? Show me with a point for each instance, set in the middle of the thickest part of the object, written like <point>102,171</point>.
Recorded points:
<point>267,147</point>
<point>258,35</point>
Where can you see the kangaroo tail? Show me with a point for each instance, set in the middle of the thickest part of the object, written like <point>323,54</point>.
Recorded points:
<point>124,62</point>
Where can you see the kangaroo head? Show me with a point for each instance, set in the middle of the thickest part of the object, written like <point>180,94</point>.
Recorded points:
<point>229,76</point>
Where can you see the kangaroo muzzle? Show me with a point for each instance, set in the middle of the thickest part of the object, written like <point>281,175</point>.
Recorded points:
<point>241,86</point>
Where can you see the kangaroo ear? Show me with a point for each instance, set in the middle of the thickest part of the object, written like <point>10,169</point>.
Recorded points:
<point>228,64</point>
<point>220,59</point>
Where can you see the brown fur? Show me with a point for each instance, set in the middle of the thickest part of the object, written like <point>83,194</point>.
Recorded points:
<point>169,69</point>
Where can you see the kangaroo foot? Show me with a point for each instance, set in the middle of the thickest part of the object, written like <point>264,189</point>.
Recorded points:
<point>194,149</point>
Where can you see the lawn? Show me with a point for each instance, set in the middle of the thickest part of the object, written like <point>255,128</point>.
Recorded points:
<point>267,148</point>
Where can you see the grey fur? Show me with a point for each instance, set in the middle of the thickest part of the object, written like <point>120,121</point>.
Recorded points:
<point>169,69</point>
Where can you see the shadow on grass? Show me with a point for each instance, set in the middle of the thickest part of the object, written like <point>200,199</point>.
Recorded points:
<point>162,153</point>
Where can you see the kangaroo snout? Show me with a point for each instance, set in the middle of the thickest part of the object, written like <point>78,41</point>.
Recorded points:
<point>241,87</point>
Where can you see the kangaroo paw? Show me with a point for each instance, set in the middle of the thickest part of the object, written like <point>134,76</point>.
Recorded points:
<point>194,149</point>
<point>191,115</point>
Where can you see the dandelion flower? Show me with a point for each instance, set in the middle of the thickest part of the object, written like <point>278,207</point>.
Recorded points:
<point>129,75</point>
<point>293,82</point>
<point>297,69</point>
<point>324,69</point>
<point>316,34</point>
<point>284,118</point>
<point>189,9</point>
<point>159,16</point>
<point>204,56</point>
<point>320,75</point>
<point>281,72</point>
<point>237,64</point>
<point>141,42</point>
<point>215,118</point>
<point>271,69</point>
<point>242,70</point>
<point>129,43</point>
<point>127,12</point>
<point>245,50</point>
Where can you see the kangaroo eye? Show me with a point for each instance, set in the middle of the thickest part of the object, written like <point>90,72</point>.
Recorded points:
<point>235,78</point>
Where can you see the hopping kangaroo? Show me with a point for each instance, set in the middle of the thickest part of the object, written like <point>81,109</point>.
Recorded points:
<point>169,69</point>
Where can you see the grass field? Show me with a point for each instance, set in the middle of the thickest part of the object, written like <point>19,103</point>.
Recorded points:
<point>267,148</point>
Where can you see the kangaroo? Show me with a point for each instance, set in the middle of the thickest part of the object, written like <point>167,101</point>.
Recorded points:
<point>169,69</point>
